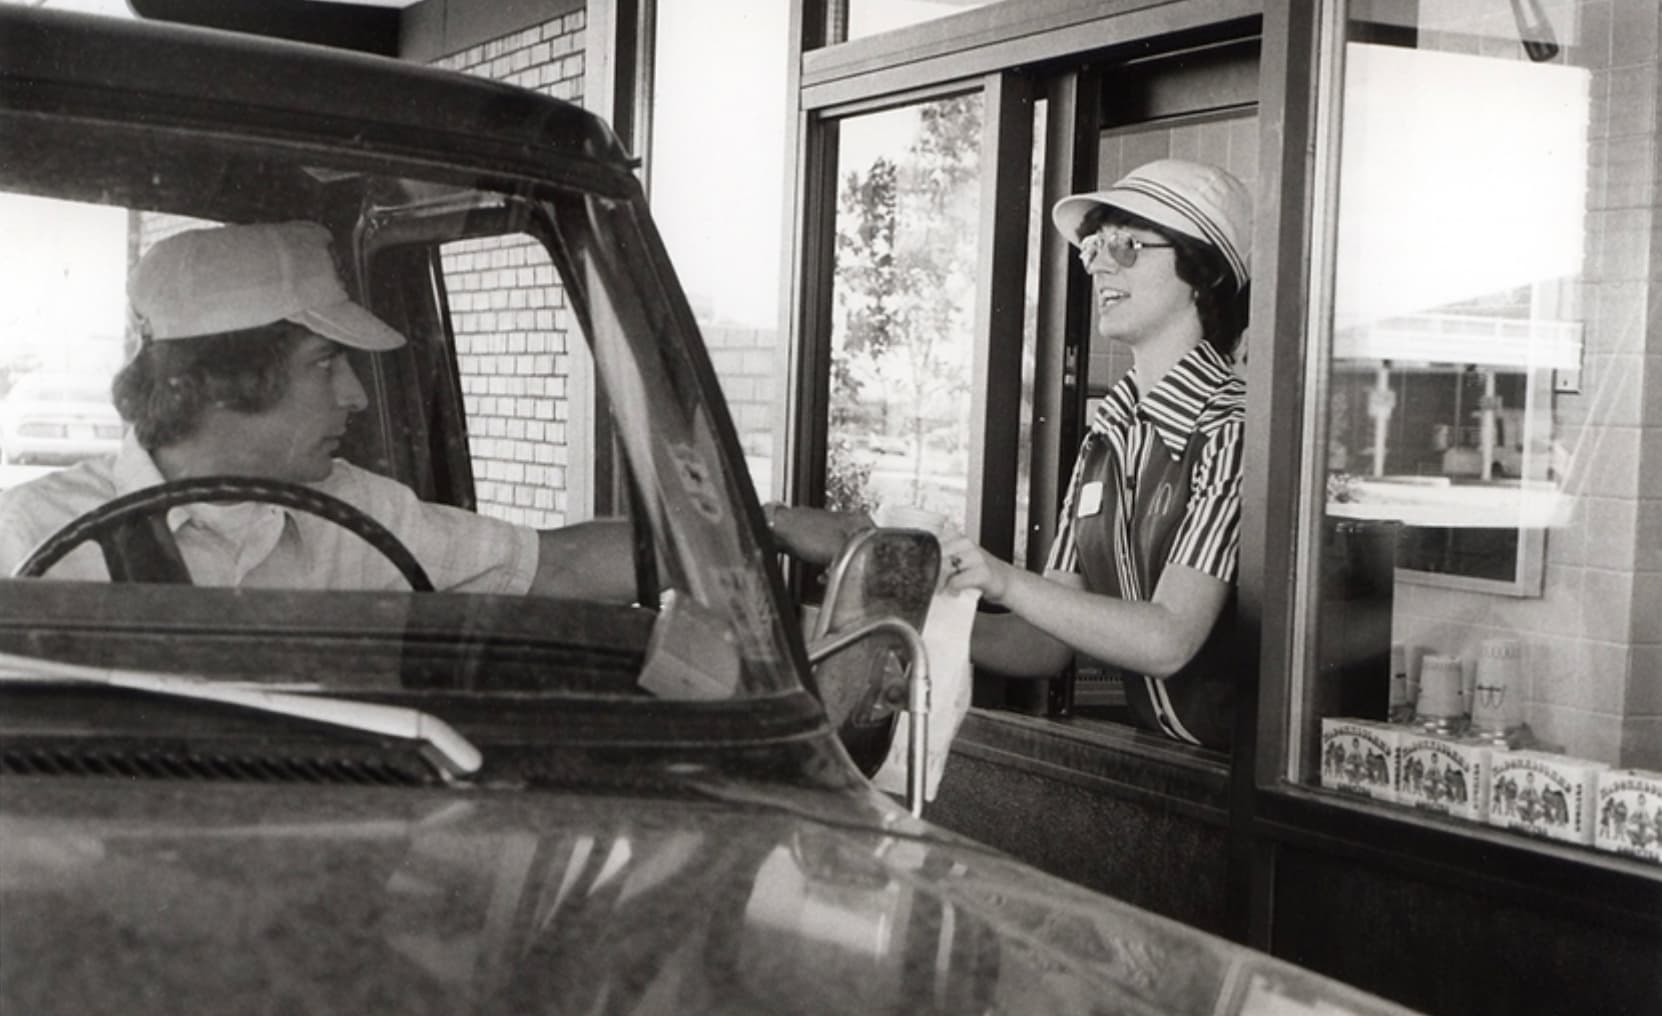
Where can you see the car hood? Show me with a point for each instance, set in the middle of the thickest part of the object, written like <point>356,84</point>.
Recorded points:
<point>141,897</point>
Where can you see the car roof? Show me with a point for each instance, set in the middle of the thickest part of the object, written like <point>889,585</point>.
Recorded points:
<point>50,60</point>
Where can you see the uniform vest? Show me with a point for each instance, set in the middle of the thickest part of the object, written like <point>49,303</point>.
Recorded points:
<point>1201,696</point>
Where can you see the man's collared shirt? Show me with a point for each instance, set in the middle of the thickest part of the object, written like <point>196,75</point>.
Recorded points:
<point>262,545</point>
<point>1158,482</point>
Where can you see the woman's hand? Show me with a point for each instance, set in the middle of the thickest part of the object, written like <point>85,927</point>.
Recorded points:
<point>967,566</point>
<point>814,535</point>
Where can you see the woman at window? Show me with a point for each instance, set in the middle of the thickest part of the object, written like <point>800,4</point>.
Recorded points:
<point>1142,571</point>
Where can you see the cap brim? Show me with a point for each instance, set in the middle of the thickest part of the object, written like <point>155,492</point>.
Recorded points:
<point>350,325</point>
<point>1070,212</point>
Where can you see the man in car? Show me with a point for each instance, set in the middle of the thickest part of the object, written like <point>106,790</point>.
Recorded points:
<point>243,371</point>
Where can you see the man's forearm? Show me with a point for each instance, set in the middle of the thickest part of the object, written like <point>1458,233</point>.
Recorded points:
<point>814,535</point>
<point>592,560</point>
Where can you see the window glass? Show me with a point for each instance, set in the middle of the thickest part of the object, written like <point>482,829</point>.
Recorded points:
<point>1485,616</point>
<point>60,350</point>
<point>716,180</point>
<point>902,337</point>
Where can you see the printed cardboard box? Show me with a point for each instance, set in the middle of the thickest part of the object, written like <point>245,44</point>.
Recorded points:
<point>1545,794</point>
<point>1444,774</point>
<point>1360,756</point>
<point>1629,813</point>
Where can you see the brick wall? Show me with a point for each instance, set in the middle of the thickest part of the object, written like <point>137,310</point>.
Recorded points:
<point>521,357</point>
<point>546,58</point>
<point>746,362</point>
<point>549,58</point>
<point>514,346</point>
<point>1622,382</point>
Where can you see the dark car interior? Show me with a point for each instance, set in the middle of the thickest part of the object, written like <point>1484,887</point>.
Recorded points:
<point>387,236</point>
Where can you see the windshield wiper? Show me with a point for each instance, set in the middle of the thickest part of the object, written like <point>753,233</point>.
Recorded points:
<point>440,743</point>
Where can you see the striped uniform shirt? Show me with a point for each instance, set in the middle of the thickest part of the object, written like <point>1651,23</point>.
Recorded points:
<point>1158,482</point>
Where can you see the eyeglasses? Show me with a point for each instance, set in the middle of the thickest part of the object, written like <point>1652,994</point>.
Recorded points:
<point>1120,245</point>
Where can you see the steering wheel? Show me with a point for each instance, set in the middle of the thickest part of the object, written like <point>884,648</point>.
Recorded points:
<point>132,531</point>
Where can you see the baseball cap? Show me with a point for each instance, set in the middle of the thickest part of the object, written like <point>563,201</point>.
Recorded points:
<point>1192,198</point>
<point>228,278</point>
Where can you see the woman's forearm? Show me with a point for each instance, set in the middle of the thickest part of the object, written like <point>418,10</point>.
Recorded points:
<point>1009,645</point>
<point>1155,637</point>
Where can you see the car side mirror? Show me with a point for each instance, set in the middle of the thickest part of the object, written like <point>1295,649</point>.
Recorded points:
<point>867,654</point>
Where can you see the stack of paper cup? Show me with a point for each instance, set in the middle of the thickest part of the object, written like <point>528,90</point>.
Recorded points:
<point>1497,690</point>
<point>1439,707</point>
<point>1400,707</point>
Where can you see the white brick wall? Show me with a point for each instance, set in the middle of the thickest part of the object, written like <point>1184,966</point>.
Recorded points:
<point>514,338</point>
<point>546,58</point>
<point>514,343</point>
<point>549,58</point>
<point>746,363</point>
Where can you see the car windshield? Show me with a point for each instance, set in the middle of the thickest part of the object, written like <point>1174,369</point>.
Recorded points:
<point>550,379</point>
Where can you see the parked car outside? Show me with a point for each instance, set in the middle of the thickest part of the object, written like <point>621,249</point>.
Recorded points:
<point>57,417</point>
<point>382,800</point>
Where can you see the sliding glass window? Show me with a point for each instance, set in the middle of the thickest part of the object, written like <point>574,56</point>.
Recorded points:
<point>903,307</point>
<point>1484,440</point>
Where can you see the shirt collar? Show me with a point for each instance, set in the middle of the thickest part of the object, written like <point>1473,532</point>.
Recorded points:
<point>1173,406</point>
<point>134,470</point>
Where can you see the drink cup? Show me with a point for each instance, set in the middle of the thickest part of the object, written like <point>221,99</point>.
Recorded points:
<point>1415,656</point>
<point>1401,703</point>
<point>1497,692</point>
<point>1439,706</point>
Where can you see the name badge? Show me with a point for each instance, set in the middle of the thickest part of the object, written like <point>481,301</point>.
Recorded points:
<point>1090,498</point>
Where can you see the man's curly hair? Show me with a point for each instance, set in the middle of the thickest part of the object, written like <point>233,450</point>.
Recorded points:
<point>165,389</point>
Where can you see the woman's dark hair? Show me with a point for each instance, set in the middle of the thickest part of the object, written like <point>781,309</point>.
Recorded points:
<point>164,390</point>
<point>1221,304</point>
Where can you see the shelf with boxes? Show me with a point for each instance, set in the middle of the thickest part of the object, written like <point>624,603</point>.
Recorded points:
<point>1472,778</point>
